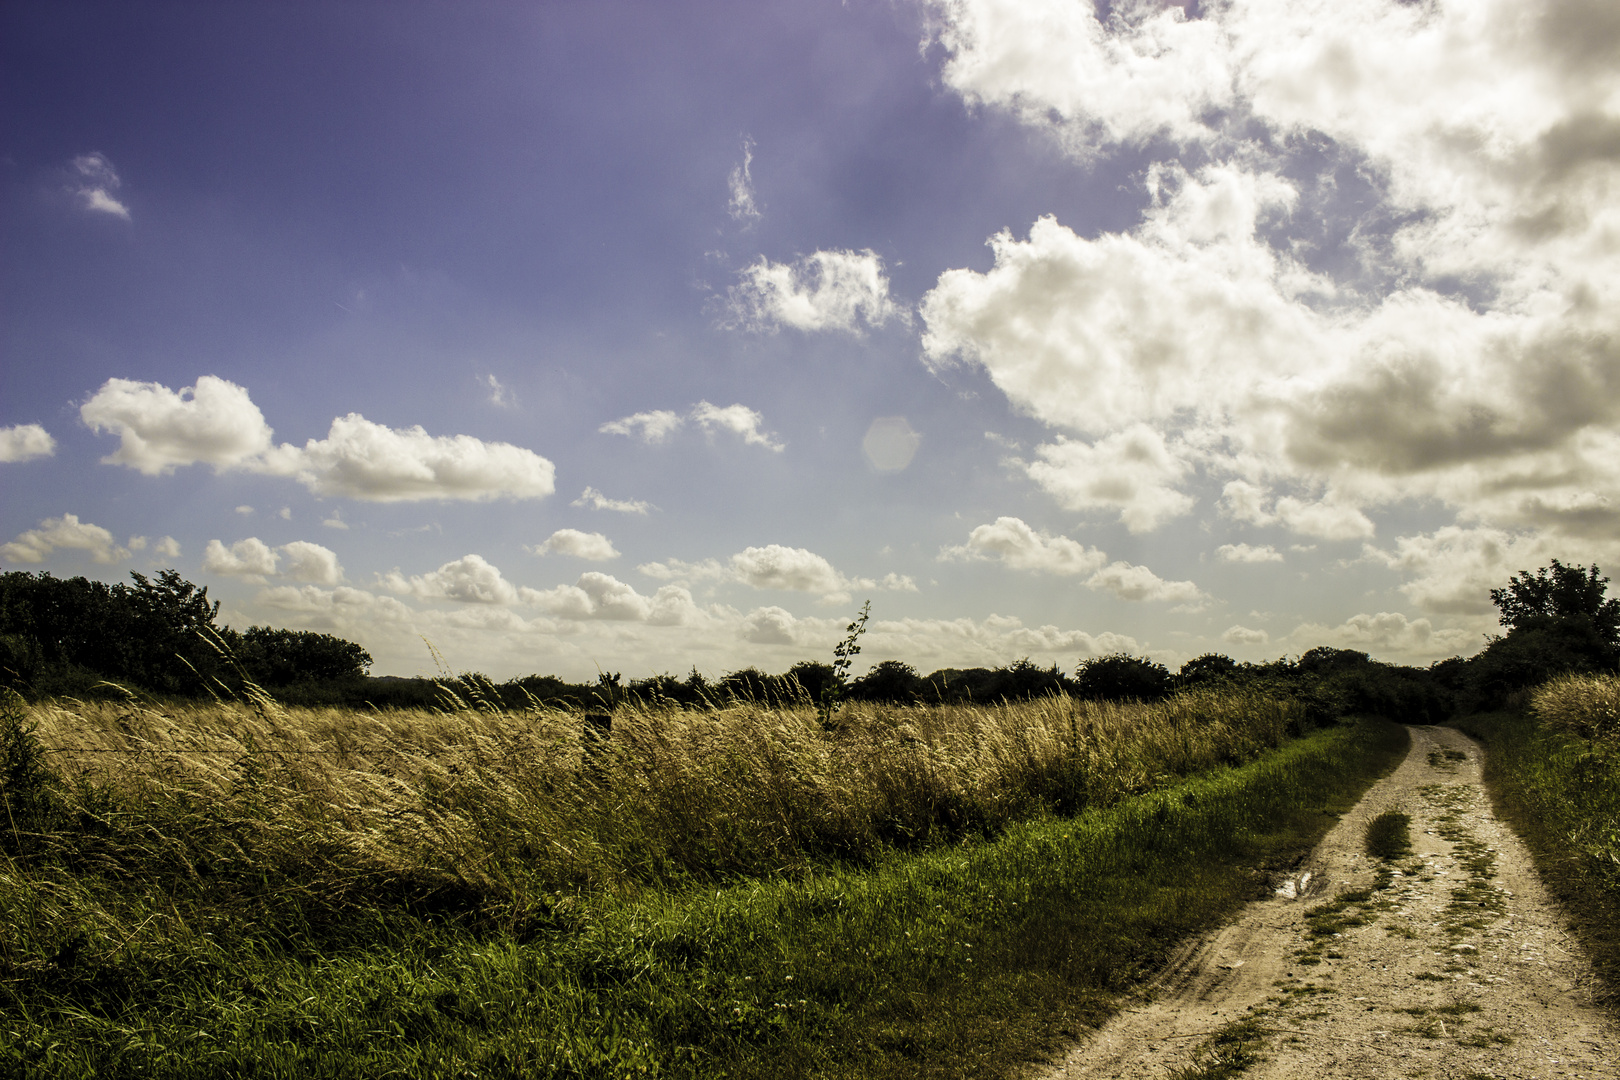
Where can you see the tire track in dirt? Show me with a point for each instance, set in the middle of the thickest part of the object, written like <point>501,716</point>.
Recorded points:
<point>1452,962</point>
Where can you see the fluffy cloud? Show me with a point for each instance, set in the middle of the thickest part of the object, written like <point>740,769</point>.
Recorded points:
<point>795,569</point>
<point>603,596</point>
<point>658,425</point>
<point>250,559</point>
<point>1242,635</point>
<point>95,182</point>
<point>597,501</point>
<point>829,290</point>
<point>581,545</point>
<point>1132,471</point>
<point>364,460</point>
<point>1248,553</point>
<point>67,531</point>
<point>166,547</point>
<point>469,580</point>
<point>254,560</point>
<point>213,423</point>
<point>1130,582</point>
<point>216,423</point>
<point>1453,569</point>
<point>1013,542</point>
<point>1430,313</point>
<point>311,562</point>
<point>24,442</point>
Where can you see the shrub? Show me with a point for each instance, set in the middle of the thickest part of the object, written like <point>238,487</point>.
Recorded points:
<point>1584,705</point>
<point>1122,677</point>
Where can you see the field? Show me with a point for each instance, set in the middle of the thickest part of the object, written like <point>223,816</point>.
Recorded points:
<point>246,890</point>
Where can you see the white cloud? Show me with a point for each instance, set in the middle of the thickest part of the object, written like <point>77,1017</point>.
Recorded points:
<point>581,545</point>
<point>213,423</point>
<point>1331,517</point>
<point>1461,345</point>
<point>1248,553</point>
<point>1013,542</point>
<point>892,582</point>
<point>254,560</point>
<point>1017,545</point>
<point>244,510</point>
<point>597,501</point>
<point>769,626</point>
<point>740,420</point>
<point>335,520</point>
<point>67,531</point>
<point>97,180</point>
<point>1132,470</point>
<point>216,423</point>
<point>655,426</point>
<point>829,290</point>
<point>365,460</point>
<point>659,424</point>
<point>796,569</point>
<point>285,513</point>
<point>468,580</point>
<point>250,559</point>
<point>677,570</point>
<point>743,206</point>
<point>24,442</point>
<point>1242,635</point>
<point>1131,582</point>
<point>311,562</point>
<point>597,596</point>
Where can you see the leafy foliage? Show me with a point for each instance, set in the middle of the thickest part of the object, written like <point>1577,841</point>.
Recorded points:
<point>1122,677</point>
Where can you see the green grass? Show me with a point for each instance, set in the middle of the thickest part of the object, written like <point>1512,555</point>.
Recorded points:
<point>1561,794</point>
<point>963,959</point>
<point>1389,835</point>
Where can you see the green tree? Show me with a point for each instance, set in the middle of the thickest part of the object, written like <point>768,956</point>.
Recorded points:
<point>1559,593</point>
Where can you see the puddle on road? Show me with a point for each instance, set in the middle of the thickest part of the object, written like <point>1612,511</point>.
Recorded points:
<point>1293,889</point>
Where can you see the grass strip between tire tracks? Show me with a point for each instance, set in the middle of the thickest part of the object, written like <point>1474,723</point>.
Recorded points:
<point>961,962</point>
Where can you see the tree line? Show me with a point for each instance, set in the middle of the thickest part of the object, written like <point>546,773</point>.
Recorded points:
<point>66,636</point>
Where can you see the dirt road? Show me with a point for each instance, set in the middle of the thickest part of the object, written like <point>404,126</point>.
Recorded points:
<point>1449,963</point>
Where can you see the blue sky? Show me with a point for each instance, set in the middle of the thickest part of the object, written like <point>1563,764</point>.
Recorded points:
<point>640,336</point>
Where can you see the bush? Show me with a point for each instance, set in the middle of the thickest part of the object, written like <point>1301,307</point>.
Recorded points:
<point>1122,677</point>
<point>1587,706</point>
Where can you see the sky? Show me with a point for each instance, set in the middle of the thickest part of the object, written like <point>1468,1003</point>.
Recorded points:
<point>643,337</point>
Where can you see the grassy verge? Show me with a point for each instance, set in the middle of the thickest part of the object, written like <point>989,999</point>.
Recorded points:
<point>959,960</point>
<point>1561,794</point>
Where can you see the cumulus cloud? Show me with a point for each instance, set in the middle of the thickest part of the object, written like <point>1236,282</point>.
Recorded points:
<point>311,562</point>
<point>1248,553</point>
<point>829,290</point>
<point>659,424</point>
<point>795,569</point>
<point>215,422</point>
<point>1015,544</point>
<point>364,460</point>
<point>597,501</point>
<point>470,579</point>
<point>166,547</point>
<point>743,206</point>
<point>679,570</point>
<point>603,596</point>
<point>254,560</point>
<point>1242,635</point>
<point>1130,582</point>
<point>67,531</point>
<point>96,180</point>
<point>1387,278</point>
<point>581,545</point>
<point>212,423</point>
<point>250,559</point>
<point>1132,471</point>
<point>24,442</point>
<point>1019,546</point>
<point>1453,569</point>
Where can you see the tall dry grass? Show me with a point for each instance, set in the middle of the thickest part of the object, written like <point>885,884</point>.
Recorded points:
<point>1583,705</point>
<point>508,811</point>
